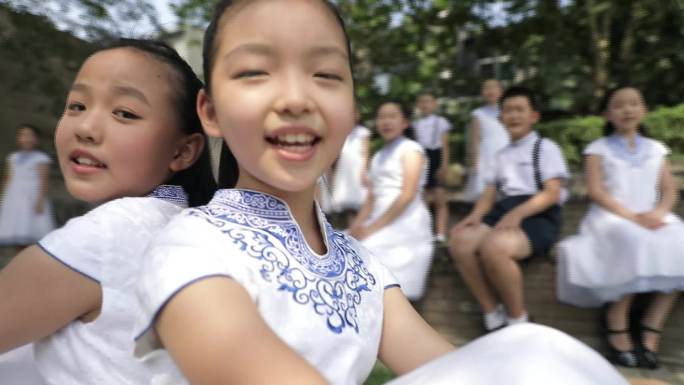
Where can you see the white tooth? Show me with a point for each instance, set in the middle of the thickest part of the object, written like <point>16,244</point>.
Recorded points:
<point>290,138</point>
<point>302,138</point>
<point>85,161</point>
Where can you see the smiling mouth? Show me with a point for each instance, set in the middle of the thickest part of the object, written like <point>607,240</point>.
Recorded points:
<point>294,142</point>
<point>86,161</point>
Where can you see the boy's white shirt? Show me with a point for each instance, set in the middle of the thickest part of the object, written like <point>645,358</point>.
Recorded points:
<point>513,171</point>
<point>429,130</point>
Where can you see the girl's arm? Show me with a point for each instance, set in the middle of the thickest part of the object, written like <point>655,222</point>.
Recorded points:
<point>407,341</point>
<point>668,191</point>
<point>44,175</point>
<point>364,212</point>
<point>365,152</point>
<point>216,336</point>
<point>597,192</point>
<point>473,145</point>
<point>40,295</point>
<point>412,164</point>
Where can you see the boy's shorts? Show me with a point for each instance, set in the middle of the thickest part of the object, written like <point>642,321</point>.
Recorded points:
<point>542,230</point>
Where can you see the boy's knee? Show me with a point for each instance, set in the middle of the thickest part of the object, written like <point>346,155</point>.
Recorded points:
<point>497,247</point>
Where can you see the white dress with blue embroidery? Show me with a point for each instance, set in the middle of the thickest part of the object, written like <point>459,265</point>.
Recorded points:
<point>328,308</point>
<point>405,245</point>
<point>105,245</point>
<point>612,256</point>
<point>19,223</point>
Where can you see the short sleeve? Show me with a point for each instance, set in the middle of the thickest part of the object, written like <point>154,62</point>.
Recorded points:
<point>660,148</point>
<point>79,244</point>
<point>597,147</point>
<point>42,157</point>
<point>187,251</point>
<point>552,161</point>
<point>363,132</point>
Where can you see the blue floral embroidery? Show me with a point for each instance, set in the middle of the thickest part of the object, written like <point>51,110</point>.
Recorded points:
<point>332,285</point>
<point>170,193</point>
<point>635,157</point>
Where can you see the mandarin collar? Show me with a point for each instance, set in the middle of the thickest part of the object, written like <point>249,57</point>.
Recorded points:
<point>170,193</point>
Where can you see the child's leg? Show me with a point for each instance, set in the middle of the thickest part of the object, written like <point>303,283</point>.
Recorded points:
<point>655,316</point>
<point>501,252</point>
<point>463,247</point>
<point>441,211</point>
<point>617,319</point>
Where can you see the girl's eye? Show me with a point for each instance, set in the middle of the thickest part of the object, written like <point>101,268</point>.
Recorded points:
<point>328,76</point>
<point>249,74</point>
<point>126,115</point>
<point>78,107</point>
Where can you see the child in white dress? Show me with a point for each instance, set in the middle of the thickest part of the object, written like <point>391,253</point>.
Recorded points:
<point>629,241</point>
<point>486,137</point>
<point>256,287</point>
<point>25,212</point>
<point>394,223</point>
<point>350,173</point>
<point>129,127</point>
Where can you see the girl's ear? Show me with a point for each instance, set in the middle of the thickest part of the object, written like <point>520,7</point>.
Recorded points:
<point>207,114</point>
<point>189,150</point>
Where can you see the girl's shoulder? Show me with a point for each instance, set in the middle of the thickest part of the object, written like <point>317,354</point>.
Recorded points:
<point>597,147</point>
<point>407,144</point>
<point>658,147</point>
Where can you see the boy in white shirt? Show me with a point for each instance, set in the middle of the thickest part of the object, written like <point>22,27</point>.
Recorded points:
<point>432,132</point>
<point>517,216</point>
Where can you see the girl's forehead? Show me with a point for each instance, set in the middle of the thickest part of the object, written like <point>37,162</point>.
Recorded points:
<point>128,68</point>
<point>626,94</point>
<point>263,20</point>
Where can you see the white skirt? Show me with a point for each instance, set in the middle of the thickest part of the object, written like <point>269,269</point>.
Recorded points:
<point>613,257</point>
<point>19,223</point>
<point>524,354</point>
<point>18,368</point>
<point>404,246</point>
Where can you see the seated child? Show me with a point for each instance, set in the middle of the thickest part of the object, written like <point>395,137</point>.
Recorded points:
<point>517,216</point>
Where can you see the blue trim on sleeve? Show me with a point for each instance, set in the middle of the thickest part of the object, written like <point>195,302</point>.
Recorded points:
<point>392,285</point>
<point>67,265</point>
<point>170,297</point>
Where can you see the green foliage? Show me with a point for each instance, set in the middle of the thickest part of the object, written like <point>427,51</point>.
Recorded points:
<point>379,375</point>
<point>573,135</point>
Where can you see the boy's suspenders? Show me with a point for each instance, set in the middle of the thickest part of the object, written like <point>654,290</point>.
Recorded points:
<point>535,164</point>
<point>536,150</point>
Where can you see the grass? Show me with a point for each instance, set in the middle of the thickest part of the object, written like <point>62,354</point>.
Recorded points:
<point>379,375</point>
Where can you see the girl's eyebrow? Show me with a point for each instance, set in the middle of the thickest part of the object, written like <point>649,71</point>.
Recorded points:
<point>268,50</point>
<point>249,48</point>
<point>118,91</point>
<point>132,92</point>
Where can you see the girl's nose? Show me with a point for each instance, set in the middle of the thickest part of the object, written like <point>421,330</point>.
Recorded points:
<point>88,129</point>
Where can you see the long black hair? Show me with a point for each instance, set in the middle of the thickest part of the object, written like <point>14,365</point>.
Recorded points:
<point>197,180</point>
<point>228,166</point>
<point>405,112</point>
<point>608,127</point>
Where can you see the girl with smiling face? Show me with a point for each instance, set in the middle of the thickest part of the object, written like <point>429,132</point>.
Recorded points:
<point>629,241</point>
<point>256,287</point>
<point>394,223</point>
<point>130,140</point>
